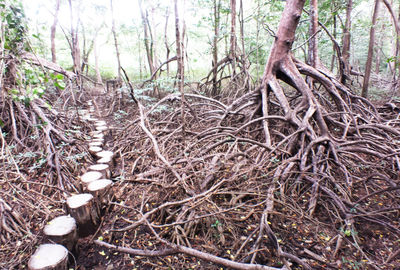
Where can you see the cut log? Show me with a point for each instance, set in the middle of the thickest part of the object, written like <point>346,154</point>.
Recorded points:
<point>103,154</point>
<point>62,230</point>
<point>96,143</point>
<point>90,176</point>
<point>86,212</point>
<point>49,257</point>
<point>104,169</point>
<point>95,149</point>
<point>101,128</point>
<point>105,160</point>
<point>101,191</point>
<point>100,123</point>
<point>98,136</point>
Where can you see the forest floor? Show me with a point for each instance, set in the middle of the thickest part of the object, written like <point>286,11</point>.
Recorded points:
<point>224,222</point>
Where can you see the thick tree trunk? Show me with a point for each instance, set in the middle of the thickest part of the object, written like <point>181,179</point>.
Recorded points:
<point>368,65</point>
<point>53,33</point>
<point>115,40</point>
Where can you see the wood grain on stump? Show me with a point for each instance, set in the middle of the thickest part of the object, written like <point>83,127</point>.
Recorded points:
<point>49,257</point>
<point>86,212</point>
<point>62,230</point>
<point>104,169</point>
<point>101,191</point>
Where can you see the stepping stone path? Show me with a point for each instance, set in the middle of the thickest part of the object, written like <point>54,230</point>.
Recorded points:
<point>84,209</point>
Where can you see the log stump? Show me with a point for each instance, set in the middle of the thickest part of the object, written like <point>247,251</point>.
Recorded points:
<point>104,169</point>
<point>103,154</point>
<point>101,191</point>
<point>95,149</point>
<point>86,212</point>
<point>96,143</point>
<point>88,177</point>
<point>62,230</point>
<point>49,257</point>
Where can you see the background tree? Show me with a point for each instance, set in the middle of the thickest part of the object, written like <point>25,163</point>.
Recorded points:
<point>53,33</point>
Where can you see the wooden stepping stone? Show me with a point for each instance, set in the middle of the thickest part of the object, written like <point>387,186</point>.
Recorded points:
<point>103,154</point>
<point>62,230</point>
<point>101,191</point>
<point>49,257</point>
<point>104,169</point>
<point>96,143</point>
<point>88,177</point>
<point>100,123</point>
<point>86,212</point>
<point>101,128</point>
<point>95,149</point>
<point>105,160</point>
<point>98,135</point>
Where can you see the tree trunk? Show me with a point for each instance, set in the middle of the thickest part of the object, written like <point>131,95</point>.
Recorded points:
<point>115,40</point>
<point>75,51</point>
<point>96,61</point>
<point>396,23</point>
<point>368,65</point>
<point>216,7</point>
<point>166,39</point>
<point>232,51</point>
<point>147,38</point>
<point>313,58</point>
<point>346,41</point>
<point>179,55</point>
<point>53,33</point>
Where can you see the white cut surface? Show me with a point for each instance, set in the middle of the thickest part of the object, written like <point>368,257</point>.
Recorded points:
<point>98,135</point>
<point>99,184</point>
<point>96,143</point>
<point>76,201</point>
<point>92,119</point>
<point>101,128</point>
<point>90,176</point>
<point>102,154</point>
<point>104,160</point>
<point>95,149</point>
<point>59,226</point>
<point>47,255</point>
<point>100,123</point>
<point>98,167</point>
<point>95,132</point>
<point>89,102</point>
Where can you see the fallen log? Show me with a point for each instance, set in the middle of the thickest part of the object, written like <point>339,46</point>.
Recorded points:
<point>39,61</point>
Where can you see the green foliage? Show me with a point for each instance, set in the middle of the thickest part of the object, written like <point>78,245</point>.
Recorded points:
<point>12,14</point>
<point>32,84</point>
